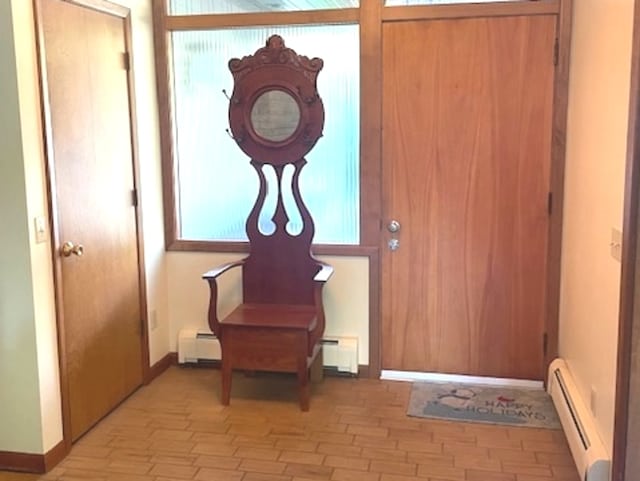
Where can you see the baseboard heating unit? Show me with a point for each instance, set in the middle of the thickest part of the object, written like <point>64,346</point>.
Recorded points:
<point>195,345</point>
<point>340,354</point>
<point>578,424</point>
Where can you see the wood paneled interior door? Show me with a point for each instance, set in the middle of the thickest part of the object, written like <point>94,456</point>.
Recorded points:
<point>467,109</point>
<point>91,144</point>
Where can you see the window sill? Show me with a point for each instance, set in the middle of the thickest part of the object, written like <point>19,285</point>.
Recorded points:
<point>182,245</point>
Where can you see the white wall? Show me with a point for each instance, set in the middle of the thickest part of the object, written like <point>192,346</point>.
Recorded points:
<point>30,418</point>
<point>20,416</point>
<point>41,262</point>
<point>594,187</point>
<point>346,295</point>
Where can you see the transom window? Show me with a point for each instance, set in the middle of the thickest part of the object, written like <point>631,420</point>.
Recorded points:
<point>190,7</point>
<point>407,3</point>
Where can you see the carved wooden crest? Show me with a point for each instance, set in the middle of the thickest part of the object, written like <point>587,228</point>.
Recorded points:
<point>275,113</point>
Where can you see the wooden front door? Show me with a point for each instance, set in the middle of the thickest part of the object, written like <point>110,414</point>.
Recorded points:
<point>467,108</point>
<point>90,145</point>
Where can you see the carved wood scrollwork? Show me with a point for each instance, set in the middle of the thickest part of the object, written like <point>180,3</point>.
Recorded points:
<point>276,69</point>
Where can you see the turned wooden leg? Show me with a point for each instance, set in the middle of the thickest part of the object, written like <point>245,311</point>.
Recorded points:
<point>304,390</point>
<point>226,380</point>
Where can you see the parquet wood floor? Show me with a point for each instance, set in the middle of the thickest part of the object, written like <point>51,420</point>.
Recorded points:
<point>356,430</point>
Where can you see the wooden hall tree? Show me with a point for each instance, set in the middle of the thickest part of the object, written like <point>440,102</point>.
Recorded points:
<point>276,117</point>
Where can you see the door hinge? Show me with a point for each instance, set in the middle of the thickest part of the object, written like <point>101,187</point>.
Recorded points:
<point>550,203</point>
<point>556,52</point>
<point>126,61</point>
<point>134,197</point>
<point>545,343</point>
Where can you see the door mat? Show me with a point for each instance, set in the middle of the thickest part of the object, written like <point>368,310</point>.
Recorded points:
<point>483,404</point>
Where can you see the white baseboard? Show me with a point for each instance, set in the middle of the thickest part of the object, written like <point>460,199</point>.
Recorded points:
<point>412,376</point>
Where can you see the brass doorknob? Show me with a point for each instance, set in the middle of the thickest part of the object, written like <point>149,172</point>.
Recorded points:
<point>69,248</point>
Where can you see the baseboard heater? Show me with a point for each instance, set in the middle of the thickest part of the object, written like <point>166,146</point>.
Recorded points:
<point>340,354</point>
<point>196,345</point>
<point>578,424</point>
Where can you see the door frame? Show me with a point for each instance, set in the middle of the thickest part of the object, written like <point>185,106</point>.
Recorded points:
<point>109,8</point>
<point>626,438</point>
<point>371,40</point>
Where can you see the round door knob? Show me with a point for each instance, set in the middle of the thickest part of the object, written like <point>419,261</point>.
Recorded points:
<point>394,226</point>
<point>69,248</point>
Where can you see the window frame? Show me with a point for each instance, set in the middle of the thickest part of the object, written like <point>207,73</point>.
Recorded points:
<point>369,167</point>
<point>370,16</point>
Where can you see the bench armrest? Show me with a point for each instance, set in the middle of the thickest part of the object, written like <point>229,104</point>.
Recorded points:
<point>221,269</point>
<point>211,277</point>
<point>324,273</point>
<point>319,280</point>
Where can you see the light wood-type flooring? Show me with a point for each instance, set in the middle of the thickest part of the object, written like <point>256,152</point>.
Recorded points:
<point>356,430</point>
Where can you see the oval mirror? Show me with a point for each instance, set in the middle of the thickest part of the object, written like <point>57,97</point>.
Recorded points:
<point>275,115</point>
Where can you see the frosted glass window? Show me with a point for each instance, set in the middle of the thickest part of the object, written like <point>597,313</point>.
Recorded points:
<point>216,186</point>
<point>404,3</point>
<point>196,7</point>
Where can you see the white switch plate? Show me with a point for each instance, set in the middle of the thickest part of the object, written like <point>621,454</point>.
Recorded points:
<point>154,320</point>
<point>40,226</point>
